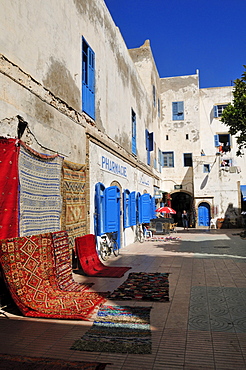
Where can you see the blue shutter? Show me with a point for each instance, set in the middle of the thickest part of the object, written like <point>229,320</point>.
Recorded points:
<point>126,208</point>
<point>147,139</point>
<point>175,110</point>
<point>133,209</point>
<point>180,110</point>
<point>111,209</point>
<point>144,214</point>
<point>215,111</point>
<point>153,207</point>
<point>216,140</point>
<point>99,209</point>
<point>88,79</point>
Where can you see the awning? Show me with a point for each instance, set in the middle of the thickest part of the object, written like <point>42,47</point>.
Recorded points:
<point>243,191</point>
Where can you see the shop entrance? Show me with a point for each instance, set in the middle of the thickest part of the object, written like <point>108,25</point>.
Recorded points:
<point>182,201</point>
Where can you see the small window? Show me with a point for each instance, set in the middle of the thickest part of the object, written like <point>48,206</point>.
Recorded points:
<point>149,142</point>
<point>166,137</point>
<point>159,107</point>
<point>187,136</point>
<point>222,142</point>
<point>168,159</point>
<point>134,133</point>
<point>178,110</point>
<point>218,110</point>
<point>154,96</point>
<point>187,159</point>
<point>206,168</point>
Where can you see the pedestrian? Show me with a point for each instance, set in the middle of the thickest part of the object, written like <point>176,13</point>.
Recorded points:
<point>185,220</point>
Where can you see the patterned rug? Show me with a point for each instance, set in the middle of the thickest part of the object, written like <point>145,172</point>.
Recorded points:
<point>90,262</point>
<point>40,193</point>
<point>9,183</point>
<point>14,362</point>
<point>28,267</point>
<point>118,329</point>
<point>63,264</point>
<point>73,218</point>
<point>143,286</point>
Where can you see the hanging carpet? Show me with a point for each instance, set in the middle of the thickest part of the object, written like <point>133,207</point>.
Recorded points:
<point>90,262</point>
<point>9,182</point>
<point>143,286</point>
<point>118,329</point>
<point>40,192</point>
<point>73,218</point>
<point>27,264</point>
<point>63,264</point>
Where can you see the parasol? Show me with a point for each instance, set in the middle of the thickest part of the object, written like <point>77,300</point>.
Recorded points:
<point>166,210</point>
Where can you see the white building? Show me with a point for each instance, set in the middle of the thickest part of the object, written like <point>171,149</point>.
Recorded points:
<point>70,86</point>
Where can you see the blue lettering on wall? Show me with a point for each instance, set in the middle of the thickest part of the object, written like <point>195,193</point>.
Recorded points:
<point>116,168</point>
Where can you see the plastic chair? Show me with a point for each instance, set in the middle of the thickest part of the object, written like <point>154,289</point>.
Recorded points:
<point>147,233</point>
<point>213,223</point>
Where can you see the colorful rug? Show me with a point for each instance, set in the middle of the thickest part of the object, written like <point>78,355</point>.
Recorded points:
<point>90,262</point>
<point>143,286</point>
<point>28,267</point>
<point>9,183</point>
<point>118,329</point>
<point>15,362</point>
<point>73,218</point>
<point>63,264</point>
<point>40,192</point>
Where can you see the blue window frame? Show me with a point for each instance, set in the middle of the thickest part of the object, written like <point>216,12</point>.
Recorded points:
<point>134,133</point>
<point>218,110</point>
<point>168,159</point>
<point>133,208</point>
<point>99,209</point>
<point>88,79</point>
<point>149,141</point>
<point>178,110</point>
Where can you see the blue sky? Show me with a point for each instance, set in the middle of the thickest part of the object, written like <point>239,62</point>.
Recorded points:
<point>186,35</point>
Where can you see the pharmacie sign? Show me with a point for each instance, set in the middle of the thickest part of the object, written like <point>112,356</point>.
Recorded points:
<point>112,165</point>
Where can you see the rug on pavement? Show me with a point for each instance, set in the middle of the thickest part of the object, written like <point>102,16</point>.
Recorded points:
<point>73,218</point>
<point>9,183</point>
<point>118,329</point>
<point>63,264</point>
<point>28,267</point>
<point>40,192</point>
<point>143,286</point>
<point>90,262</point>
<point>15,362</point>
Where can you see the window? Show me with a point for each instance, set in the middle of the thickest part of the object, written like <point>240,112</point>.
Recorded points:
<point>187,159</point>
<point>187,136</point>
<point>218,110</point>
<point>160,159</point>
<point>166,137</point>
<point>88,80</point>
<point>159,107</point>
<point>134,133</point>
<point>149,141</point>
<point>168,159</point>
<point>154,96</point>
<point>178,111</point>
<point>126,206</point>
<point>206,168</point>
<point>223,142</point>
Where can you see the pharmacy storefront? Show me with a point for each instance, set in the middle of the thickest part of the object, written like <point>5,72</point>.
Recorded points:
<point>120,196</point>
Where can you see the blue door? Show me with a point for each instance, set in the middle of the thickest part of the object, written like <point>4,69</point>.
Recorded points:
<point>204,214</point>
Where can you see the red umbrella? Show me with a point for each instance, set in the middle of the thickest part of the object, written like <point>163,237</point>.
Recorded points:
<point>166,210</point>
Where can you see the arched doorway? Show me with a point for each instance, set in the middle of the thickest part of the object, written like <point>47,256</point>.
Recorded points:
<point>182,201</point>
<point>203,214</point>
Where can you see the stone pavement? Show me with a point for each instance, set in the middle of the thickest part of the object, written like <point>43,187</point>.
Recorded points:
<point>202,327</point>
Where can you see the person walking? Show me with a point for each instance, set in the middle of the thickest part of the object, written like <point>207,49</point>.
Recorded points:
<point>185,220</point>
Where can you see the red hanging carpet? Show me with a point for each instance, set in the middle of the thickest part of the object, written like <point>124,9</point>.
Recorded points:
<point>90,262</point>
<point>28,267</point>
<point>9,183</point>
<point>63,264</point>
